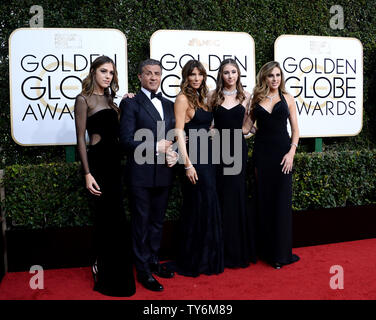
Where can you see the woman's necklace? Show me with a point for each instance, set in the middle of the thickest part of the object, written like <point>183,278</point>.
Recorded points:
<point>271,97</point>
<point>229,93</point>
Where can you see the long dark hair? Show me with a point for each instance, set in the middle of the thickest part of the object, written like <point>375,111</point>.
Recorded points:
<point>218,97</point>
<point>88,84</point>
<point>197,97</point>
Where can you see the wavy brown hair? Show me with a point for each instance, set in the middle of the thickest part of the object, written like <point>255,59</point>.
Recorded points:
<point>261,89</point>
<point>88,84</point>
<point>218,97</point>
<point>195,97</point>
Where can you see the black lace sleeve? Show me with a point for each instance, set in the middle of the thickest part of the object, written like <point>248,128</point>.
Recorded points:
<point>80,114</point>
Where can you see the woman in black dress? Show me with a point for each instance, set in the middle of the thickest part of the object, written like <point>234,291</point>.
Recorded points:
<point>273,157</point>
<point>230,102</point>
<point>96,112</point>
<point>201,249</point>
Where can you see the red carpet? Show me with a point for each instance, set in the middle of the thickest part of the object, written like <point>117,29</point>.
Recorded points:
<point>307,279</point>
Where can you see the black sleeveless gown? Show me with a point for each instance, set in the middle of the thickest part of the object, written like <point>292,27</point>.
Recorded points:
<point>111,238</point>
<point>201,241</point>
<point>237,216</point>
<point>274,188</point>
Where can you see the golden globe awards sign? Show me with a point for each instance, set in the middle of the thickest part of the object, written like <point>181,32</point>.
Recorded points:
<point>47,67</point>
<point>325,75</point>
<point>175,47</point>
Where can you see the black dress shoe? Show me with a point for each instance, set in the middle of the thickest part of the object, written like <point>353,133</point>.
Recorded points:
<point>295,258</point>
<point>149,282</point>
<point>161,270</point>
<point>277,265</point>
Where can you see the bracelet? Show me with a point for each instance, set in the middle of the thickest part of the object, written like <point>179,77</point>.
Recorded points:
<point>187,168</point>
<point>294,144</point>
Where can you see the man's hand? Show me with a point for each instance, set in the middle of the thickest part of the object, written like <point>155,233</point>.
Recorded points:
<point>128,95</point>
<point>163,145</point>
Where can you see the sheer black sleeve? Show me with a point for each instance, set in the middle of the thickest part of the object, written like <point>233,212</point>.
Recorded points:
<point>80,115</point>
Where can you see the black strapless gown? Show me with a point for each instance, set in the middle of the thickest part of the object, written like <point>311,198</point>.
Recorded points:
<point>201,241</point>
<point>111,237</point>
<point>274,188</point>
<point>238,218</point>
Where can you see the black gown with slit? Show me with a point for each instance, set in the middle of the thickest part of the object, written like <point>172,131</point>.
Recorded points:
<point>201,242</point>
<point>237,216</point>
<point>274,188</point>
<point>111,237</point>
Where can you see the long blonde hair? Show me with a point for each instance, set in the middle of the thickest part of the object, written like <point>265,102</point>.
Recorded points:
<point>218,97</point>
<point>261,89</point>
<point>197,97</point>
<point>88,84</point>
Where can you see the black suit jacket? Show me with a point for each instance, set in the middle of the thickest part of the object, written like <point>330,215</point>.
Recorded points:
<point>140,113</point>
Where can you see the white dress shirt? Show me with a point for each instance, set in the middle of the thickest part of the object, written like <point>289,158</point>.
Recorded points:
<point>158,105</point>
<point>155,101</point>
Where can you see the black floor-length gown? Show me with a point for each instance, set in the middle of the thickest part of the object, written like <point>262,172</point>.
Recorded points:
<point>274,188</point>
<point>111,238</point>
<point>237,216</point>
<point>201,242</point>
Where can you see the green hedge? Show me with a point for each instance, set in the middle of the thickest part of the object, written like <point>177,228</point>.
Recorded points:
<point>39,196</point>
<point>138,20</point>
<point>334,179</point>
<point>53,195</point>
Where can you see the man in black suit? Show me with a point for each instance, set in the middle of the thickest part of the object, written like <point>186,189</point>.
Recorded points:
<point>149,182</point>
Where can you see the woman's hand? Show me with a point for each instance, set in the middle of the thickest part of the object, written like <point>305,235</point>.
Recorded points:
<point>192,175</point>
<point>253,129</point>
<point>172,157</point>
<point>248,133</point>
<point>287,162</point>
<point>92,185</point>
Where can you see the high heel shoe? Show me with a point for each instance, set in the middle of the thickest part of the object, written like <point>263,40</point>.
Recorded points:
<point>94,272</point>
<point>277,265</point>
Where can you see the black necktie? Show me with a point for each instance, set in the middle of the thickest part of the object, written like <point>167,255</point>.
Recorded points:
<point>156,95</point>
